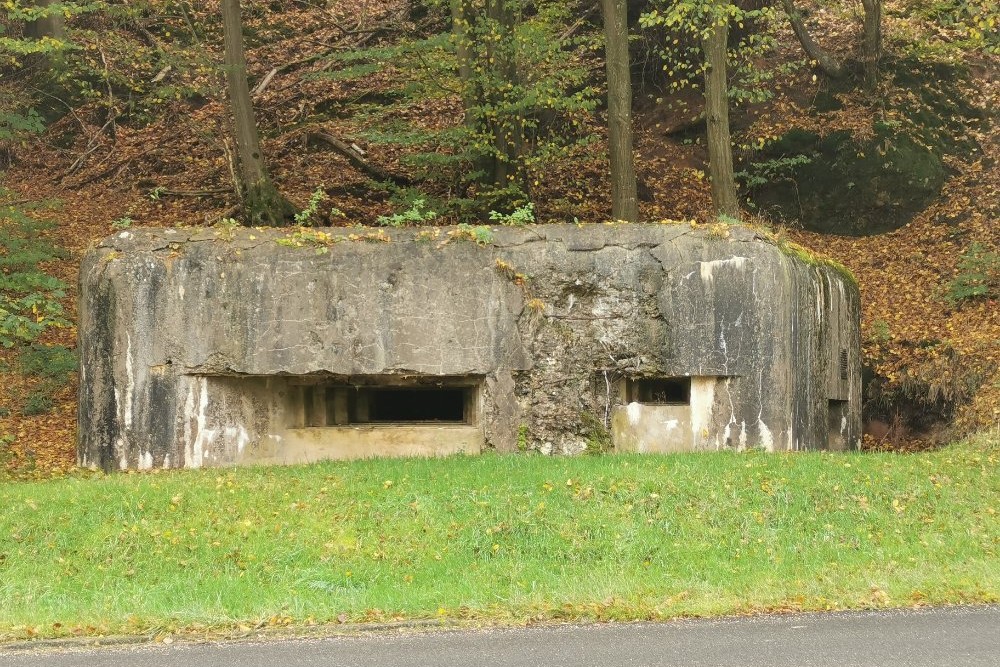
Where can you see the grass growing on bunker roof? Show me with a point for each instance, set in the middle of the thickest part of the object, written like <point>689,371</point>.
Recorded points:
<point>499,539</point>
<point>806,255</point>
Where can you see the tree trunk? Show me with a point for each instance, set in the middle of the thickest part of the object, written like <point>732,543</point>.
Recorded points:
<point>872,47</point>
<point>262,203</point>
<point>508,130</point>
<point>48,26</point>
<point>720,147</point>
<point>827,62</point>
<point>52,26</point>
<point>624,198</point>
<point>460,20</point>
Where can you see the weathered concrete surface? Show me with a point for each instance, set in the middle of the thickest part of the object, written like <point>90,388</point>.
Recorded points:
<point>197,345</point>
<point>652,429</point>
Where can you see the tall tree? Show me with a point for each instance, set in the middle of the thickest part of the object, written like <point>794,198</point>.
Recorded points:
<point>871,48</point>
<point>706,23</point>
<point>508,134</point>
<point>460,18</point>
<point>720,146</point>
<point>262,203</point>
<point>624,198</point>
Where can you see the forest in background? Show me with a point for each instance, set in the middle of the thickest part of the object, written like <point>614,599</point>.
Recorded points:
<point>879,154</point>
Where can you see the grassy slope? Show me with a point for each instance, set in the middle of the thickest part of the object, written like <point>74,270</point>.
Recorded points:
<point>499,538</point>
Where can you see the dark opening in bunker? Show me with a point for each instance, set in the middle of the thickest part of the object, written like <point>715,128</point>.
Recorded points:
<point>661,391</point>
<point>417,405</point>
<point>350,404</point>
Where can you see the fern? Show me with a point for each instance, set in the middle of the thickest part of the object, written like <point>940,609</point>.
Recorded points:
<point>978,275</point>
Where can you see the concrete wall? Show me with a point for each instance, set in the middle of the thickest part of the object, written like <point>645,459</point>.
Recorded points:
<point>192,342</point>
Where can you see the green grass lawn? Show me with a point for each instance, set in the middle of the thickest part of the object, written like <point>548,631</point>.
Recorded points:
<point>499,538</point>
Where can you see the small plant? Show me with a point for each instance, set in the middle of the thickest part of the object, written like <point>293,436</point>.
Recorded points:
<point>507,270</point>
<point>535,305</point>
<point>480,234</point>
<point>39,402</point>
<point>121,223</point>
<point>428,235</point>
<point>523,438</point>
<point>719,230</point>
<point>308,237</point>
<point>377,236</point>
<point>881,332</point>
<point>519,217</point>
<point>307,216</point>
<point>978,275</point>
<point>323,241</point>
<point>53,364</point>
<point>415,215</point>
<point>598,436</point>
<point>227,228</point>
<point>14,125</point>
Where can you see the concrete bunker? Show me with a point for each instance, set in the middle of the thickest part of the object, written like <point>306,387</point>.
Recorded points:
<point>206,348</point>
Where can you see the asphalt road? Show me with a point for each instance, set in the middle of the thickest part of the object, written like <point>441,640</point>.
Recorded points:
<point>955,637</point>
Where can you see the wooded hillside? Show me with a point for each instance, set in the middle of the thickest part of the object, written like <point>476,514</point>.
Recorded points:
<point>865,131</point>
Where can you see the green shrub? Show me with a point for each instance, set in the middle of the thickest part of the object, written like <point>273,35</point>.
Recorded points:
<point>519,217</point>
<point>478,234</point>
<point>415,215</point>
<point>766,172</point>
<point>599,440</point>
<point>14,124</point>
<point>29,297</point>
<point>969,24</point>
<point>310,214</point>
<point>881,332</point>
<point>52,362</point>
<point>38,402</point>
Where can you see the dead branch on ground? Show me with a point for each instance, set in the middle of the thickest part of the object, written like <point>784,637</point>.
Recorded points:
<point>356,157</point>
